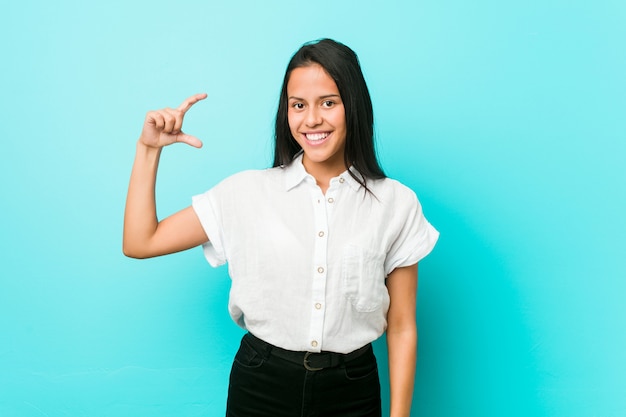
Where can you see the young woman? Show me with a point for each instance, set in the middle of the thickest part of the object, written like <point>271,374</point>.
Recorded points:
<point>322,248</point>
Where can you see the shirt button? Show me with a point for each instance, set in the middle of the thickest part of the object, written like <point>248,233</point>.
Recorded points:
<point>314,343</point>
<point>321,234</point>
<point>320,270</point>
<point>331,200</point>
<point>318,306</point>
<point>341,180</point>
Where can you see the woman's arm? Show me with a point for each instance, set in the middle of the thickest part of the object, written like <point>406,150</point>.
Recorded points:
<point>144,235</point>
<point>402,338</point>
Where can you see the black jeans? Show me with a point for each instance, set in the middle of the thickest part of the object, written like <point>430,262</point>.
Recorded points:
<point>263,384</point>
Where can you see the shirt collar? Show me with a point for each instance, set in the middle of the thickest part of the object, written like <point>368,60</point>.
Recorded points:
<point>295,173</point>
<point>354,184</point>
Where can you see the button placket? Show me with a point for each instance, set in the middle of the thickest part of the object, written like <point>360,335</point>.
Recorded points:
<point>318,285</point>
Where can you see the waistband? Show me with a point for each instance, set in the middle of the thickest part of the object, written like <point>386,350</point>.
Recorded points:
<point>310,360</point>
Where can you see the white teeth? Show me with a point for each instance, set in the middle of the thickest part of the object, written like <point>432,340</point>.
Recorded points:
<point>316,136</point>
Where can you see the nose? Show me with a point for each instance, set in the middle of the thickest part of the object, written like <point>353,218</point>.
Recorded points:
<point>313,117</point>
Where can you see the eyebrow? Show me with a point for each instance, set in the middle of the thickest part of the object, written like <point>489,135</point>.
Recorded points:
<point>320,97</point>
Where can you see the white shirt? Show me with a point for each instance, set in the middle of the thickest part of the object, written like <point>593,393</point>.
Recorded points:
<point>308,270</point>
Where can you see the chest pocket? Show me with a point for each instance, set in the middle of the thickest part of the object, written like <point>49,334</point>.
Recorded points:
<point>363,278</point>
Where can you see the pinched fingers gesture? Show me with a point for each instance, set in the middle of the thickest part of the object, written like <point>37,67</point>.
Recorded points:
<point>164,127</point>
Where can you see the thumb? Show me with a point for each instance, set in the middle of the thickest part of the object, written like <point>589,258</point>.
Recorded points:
<point>189,140</point>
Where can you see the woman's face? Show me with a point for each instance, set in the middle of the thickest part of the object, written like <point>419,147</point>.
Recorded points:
<point>317,119</point>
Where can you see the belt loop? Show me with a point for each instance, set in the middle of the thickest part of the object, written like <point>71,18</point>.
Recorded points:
<point>341,361</point>
<point>267,350</point>
<point>261,347</point>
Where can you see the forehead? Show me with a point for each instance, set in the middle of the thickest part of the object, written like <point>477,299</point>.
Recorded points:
<point>312,80</point>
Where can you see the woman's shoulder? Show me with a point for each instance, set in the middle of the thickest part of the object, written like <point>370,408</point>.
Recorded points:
<point>250,179</point>
<point>391,188</point>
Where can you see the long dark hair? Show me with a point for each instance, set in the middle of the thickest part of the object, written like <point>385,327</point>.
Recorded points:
<point>342,64</point>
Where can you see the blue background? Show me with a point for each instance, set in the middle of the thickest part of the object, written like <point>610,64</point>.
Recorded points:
<point>507,118</point>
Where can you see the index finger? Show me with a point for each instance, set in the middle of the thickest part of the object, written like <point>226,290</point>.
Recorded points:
<point>186,105</point>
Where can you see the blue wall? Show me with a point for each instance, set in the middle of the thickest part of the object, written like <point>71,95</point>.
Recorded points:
<point>507,118</point>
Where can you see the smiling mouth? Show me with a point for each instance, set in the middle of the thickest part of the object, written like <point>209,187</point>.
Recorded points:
<point>316,137</point>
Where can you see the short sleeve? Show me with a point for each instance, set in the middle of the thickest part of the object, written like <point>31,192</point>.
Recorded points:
<point>209,214</point>
<point>416,238</point>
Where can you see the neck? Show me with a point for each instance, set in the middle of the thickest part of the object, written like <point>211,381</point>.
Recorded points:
<point>323,173</point>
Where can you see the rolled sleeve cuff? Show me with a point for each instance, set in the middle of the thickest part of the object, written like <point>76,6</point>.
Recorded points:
<point>213,249</point>
<point>424,244</point>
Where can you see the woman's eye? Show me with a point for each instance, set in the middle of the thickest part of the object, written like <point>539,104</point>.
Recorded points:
<point>297,106</point>
<point>328,103</point>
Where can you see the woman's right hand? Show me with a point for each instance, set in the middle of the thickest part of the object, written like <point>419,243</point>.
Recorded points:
<point>164,127</point>
<point>144,235</point>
